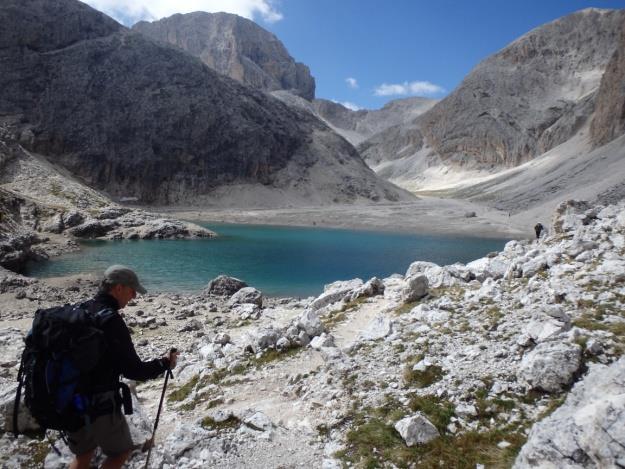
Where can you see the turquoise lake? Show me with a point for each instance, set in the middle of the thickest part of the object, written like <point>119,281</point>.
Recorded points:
<point>279,261</point>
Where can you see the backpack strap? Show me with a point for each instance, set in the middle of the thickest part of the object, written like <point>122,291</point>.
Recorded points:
<point>105,315</point>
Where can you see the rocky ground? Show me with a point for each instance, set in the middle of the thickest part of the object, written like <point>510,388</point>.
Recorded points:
<point>45,212</point>
<point>510,360</point>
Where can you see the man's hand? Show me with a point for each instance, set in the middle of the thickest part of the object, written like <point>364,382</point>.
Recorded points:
<point>172,358</point>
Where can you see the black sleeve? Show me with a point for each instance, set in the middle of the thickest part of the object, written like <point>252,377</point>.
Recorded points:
<point>124,353</point>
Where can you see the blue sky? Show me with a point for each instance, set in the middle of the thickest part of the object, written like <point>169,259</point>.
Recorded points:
<point>413,47</point>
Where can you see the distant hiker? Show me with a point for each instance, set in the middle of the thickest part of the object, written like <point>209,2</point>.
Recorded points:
<point>538,228</point>
<point>107,427</point>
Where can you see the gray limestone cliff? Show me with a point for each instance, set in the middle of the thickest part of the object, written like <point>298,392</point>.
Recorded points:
<point>358,126</point>
<point>609,119</point>
<point>522,101</point>
<point>236,47</point>
<point>143,120</point>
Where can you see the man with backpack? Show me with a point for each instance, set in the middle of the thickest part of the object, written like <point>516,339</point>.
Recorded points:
<point>107,427</point>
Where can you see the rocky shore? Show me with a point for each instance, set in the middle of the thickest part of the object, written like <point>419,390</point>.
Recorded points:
<point>511,360</point>
<point>44,213</point>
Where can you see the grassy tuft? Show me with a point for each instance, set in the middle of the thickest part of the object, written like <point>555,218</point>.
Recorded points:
<point>437,410</point>
<point>422,379</point>
<point>183,391</point>
<point>230,422</point>
<point>375,443</point>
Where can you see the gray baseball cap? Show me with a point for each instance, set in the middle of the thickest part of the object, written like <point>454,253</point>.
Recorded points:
<point>122,275</point>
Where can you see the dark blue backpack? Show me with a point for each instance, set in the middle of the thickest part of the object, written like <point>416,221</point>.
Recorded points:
<point>63,346</point>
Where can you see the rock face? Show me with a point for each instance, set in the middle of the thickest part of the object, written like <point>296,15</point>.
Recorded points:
<point>358,126</point>
<point>531,96</point>
<point>609,119</point>
<point>146,121</point>
<point>236,47</point>
<point>588,430</point>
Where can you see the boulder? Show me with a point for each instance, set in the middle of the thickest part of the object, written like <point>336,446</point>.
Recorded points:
<point>551,366</point>
<point>310,323</point>
<point>247,311</point>
<point>93,228</point>
<point>73,218</point>
<point>323,340</point>
<point>380,327</point>
<point>261,339</point>
<point>373,287</point>
<point>247,295</point>
<point>192,325</point>
<point>54,225</point>
<point>487,267</point>
<point>416,429</point>
<point>425,314</point>
<point>334,292</point>
<point>224,286</point>
<point>588,430</point>
<point>222,338</point>
<point>437,276</point>
<point>111,213</point>
<point>569,215</point>
<point>416,288</point>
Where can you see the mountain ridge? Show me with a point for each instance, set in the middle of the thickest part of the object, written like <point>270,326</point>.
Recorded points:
<point>236,47</point>
<point>143,120</point>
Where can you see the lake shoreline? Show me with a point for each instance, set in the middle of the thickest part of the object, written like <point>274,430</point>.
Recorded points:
<point>427,216</point>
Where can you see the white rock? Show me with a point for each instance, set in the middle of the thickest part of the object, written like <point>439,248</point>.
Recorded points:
<point>550,366</point>
<point>310,323</point>
<point>466,410</point>
<point>247,295</point>
<point>323,340</point>
<point>588,430</point>
<point>334,292</point>
<point>416,287</point>
<point>424,313</point>
<point>259,422</point>
<point>380,327</point>
<point>221,338</point>
<point>416,429</point>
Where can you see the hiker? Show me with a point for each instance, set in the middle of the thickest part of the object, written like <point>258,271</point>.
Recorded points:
<point>538,228</point>
<point>108,428</point>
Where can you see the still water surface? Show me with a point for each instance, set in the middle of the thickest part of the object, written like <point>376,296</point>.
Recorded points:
<point>279,261</point>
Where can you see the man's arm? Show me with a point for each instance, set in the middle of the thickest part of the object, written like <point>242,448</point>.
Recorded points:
<point>130,365</point>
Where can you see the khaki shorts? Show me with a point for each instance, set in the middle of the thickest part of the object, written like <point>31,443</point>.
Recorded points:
<point>109,432</point>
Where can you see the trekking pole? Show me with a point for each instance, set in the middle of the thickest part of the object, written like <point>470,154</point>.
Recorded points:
<point>168,374</point>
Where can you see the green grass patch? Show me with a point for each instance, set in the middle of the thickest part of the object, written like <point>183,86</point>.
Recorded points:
<point>272,355</point>
<point>437,410</point>
<point>422,379</point>
<point>184,391</point>
<point>375,443</point>
<point>211,424</point>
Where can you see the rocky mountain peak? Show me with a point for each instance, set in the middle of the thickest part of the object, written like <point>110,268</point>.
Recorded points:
<point>146,121</point>
<point>41,31</point>
<point>236,47</point>
<point>529,97</point>
<point>609,119</point>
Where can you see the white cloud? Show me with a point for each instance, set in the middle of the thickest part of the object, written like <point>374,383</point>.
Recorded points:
<point>422,88</point>
<point>351,82</point>
<point>130,11</point>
